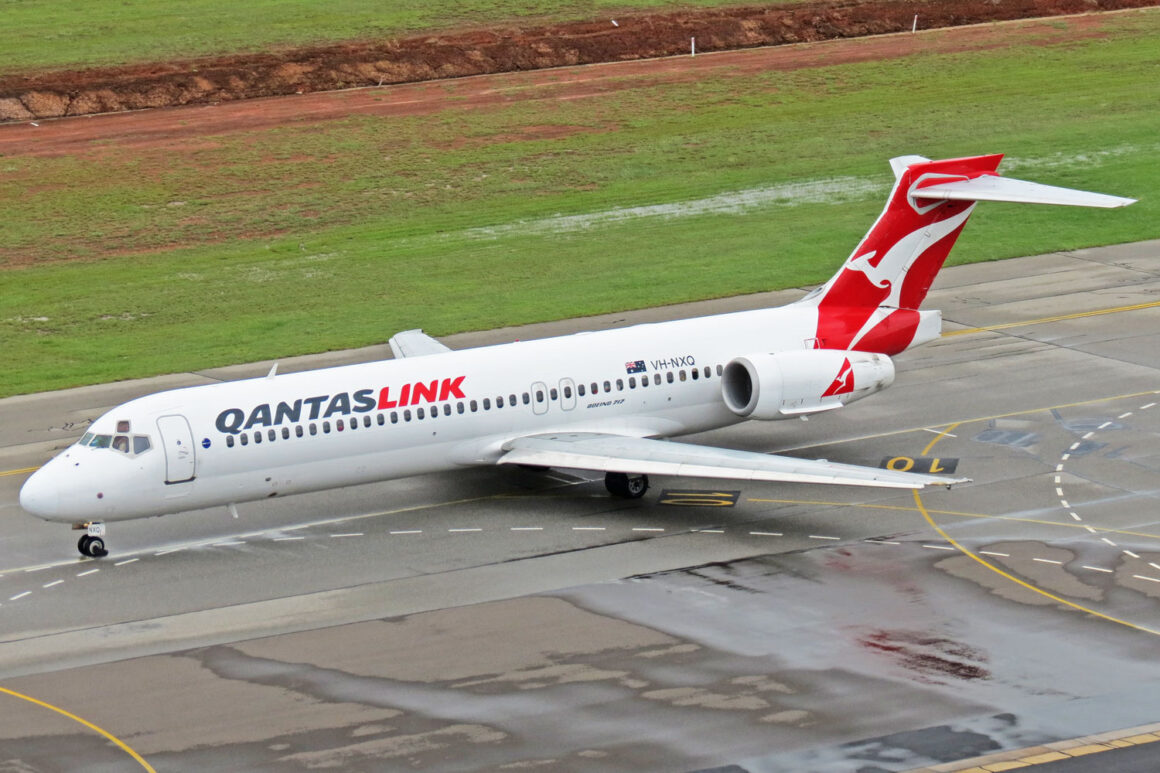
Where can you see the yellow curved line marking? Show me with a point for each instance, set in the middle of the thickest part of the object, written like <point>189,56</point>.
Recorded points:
<point>1059,318</point>
<point>21,471</point>
<point>939,437</point>
<point>123,746</point>
<point>1017,581</point>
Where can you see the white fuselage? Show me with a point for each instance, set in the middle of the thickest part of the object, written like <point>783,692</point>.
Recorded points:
<point>320,439</point>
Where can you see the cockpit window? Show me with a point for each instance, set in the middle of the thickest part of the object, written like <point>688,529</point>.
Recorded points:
<point>140,444</point>
<point>85,438</point>
<point>123,425</point>
<point>121,443</point>
<point>101,441</point>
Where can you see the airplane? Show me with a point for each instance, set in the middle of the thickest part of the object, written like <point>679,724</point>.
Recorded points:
<point>599,401</point>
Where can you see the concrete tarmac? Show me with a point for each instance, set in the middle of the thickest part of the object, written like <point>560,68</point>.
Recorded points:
<point>496,619</point>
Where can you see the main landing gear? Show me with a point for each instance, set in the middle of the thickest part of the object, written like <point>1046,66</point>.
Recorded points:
<point>92,543</point>
<point>621,484</point>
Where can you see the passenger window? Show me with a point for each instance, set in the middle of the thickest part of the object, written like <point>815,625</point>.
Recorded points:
<point>141,444</point>
<point>121,443</point>
<point>607,386</point>
<point>708,372</point>
<point>367,420</point>
<point>512,400</point>
<point>419,413</point>
<point>474,406</point>
<point>580,389</point>
<point>394,417</point>
<point>632,382</point>
<point>446,409</point>
<point>326,427</point>
<point>244,438</point>
<point>568,392</point>
<point>313,429</point>
<point>258,436</point>
<point>285,433</point>
<point>527,398</point>
<point>683,377</point>
<point>273,436</point>
<point>539,395</point>
<point>644,380</point>
<point>720,370</point>
<point>696,374</point>
<point>595,388</point>
<point>553,393</point>
<point>657,379</point>
<point>229,441</point>
<point>380,419</point>
<point>669,377</point>
<point>499,402</point>
<point>298,431</point>
<point>459,407</point>
<point>487,403</point>
<point>619,385</point>
<point>337,425</point>
<point>407,415</point>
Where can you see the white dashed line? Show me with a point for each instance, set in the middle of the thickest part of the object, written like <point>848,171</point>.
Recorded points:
<point>407,531</point>
<point>1065,457</point>
<point>1074,446</point>
<point>1105,539</point>
<point>1064,503</point>
<point>1124,415</point>
<point>1058,490</point>
<point>1098,569</point>
<point>939,547</point>
<point>657,528</point>
<point>766,533</point>
<point>1105,425</point>
<point>52,584</point>
<point>588,528</point>
<point>1145,577</point>
<point>88,572</point>
<point>348,534</point>
<point>288,539</point>
<point>462,531</point>
<point>883,542</point>
<point>126,561</point>
<point>1089,528</point>
<point>170,550</point>
<point>35,569</point>
<point>1047,561</point>
<point>19,596</point>
<point>722,531</point>
<point>527,528</point>
<point>1087,435</point>
<point>822,536</point>
<point>995,553</point>
<point>1130,553</point>
<point>1074,515</point>
<point>1146,407</point>
<point>1154,566</point>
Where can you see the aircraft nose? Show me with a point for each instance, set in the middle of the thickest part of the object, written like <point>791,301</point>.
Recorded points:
<point>40,496</point>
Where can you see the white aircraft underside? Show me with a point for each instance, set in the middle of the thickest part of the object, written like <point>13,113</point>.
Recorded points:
<point>600,401</point>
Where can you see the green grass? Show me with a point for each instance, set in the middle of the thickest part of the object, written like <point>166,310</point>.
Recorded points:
<point>305,239</point>
<point>56,34</point>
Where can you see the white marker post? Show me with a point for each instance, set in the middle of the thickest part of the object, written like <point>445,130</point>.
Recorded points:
<point>692,46</point>
<point>914,26</point>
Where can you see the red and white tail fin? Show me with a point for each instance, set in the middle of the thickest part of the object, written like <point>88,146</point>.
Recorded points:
<point>871,304</point>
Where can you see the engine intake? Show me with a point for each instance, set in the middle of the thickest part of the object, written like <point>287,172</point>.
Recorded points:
<point>789,384</point>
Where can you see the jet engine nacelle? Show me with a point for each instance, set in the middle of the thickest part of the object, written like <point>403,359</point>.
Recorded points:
<point>789,384</point>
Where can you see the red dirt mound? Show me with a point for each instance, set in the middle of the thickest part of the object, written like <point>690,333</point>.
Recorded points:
<point>477,52</point>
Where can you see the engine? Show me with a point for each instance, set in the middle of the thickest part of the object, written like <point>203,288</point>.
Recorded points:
<point>789,384</point>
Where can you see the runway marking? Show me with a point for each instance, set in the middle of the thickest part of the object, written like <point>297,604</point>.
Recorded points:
<point>20,471</point>
<point>722,531</point>
<point>657,528</point>
<point>347,534</point>
<point>1144,577</point>
<point>1048,561</point>
<point>407,531</point>
<point>87,572</point>
<point>1130,553</point>
<point>1095,569</point>
<point>758,533</point>
<point>1058,318</point>
<point>288,539</point>
<point>459,531</point>
<point>527,528</point>
<point>119,743</point>
<point>588,528</point>
<point>995,553</point>
<point>945,433</point>
<point>52,584</point>
<point>126,561</point>
<point>19,596</point>
<point>822,536</point>
<point>939,547</point>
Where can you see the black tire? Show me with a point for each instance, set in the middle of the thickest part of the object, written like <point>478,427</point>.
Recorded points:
<point>626,486</point>
<point>83,544</point>
<point>97,547</point>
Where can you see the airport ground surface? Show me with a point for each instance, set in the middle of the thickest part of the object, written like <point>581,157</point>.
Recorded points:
<point>490,619</point>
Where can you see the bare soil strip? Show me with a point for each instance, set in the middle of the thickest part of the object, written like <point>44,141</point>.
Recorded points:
<point>503,49</point>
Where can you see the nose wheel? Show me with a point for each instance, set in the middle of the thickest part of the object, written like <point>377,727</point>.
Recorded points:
<point>92,544</point>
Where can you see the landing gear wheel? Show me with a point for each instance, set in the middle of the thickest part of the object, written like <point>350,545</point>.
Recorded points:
<point>93,547</point>
<point>627,486</point>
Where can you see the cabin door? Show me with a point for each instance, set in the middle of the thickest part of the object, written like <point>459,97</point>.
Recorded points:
<point>180,455</point>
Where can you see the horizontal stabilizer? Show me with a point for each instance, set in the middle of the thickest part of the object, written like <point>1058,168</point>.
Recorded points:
<point>414,343</point>
<point>616,453</point>
<point>994,188</point>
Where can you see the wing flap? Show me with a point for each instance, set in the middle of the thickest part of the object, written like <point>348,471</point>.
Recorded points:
<point>415,343</point>
<point>614,453</point>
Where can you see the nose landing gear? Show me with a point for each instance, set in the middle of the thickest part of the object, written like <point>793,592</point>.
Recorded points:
<point>92,543</point>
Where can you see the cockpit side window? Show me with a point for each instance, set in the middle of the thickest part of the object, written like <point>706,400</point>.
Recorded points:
<point>141,444</point>
<point>101,441</point>
<point>85,438</point>
<point>121,443</point>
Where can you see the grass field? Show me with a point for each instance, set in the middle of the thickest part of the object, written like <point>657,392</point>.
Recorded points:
<point>54,34</point>
<point>304,239</point>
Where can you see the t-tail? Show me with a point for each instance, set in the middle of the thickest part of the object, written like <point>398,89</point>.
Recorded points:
<point>871,304</point>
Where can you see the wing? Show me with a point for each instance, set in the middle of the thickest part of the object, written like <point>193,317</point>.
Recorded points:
<point>414,343</point>
<point>615,453</point>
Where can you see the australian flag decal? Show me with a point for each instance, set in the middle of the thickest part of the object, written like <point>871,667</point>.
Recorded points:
<point>635,367</point>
